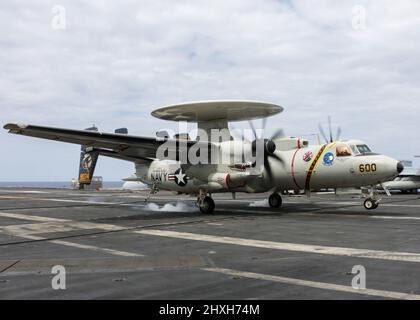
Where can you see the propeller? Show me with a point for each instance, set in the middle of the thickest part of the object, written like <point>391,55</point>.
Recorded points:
<point>237,134</point>
<point>321,130</point>
<point>267,165</point>
<point>269,147</point>
<point>330,138</point>
<point>329,128</point>
<point>279,134</point>
<point>338,134</point>
<point>254,131</point>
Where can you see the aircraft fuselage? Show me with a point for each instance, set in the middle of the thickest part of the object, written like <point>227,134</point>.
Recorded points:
<point>308,168</point>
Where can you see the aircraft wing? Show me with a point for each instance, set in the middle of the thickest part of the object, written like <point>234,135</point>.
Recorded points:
<point>410,171</point>
<point>122,146</point>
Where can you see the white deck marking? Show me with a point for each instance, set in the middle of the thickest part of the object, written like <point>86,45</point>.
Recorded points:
<point>318,249</point>
<point>89,247</point>
<point>53,225</point>
<point>84,246</point>
<point>77,201</point>
<point>29,217</point>
<point>12,197</point>
<point>49,225</point>
<point>396,218</point>
<point>355,203</point>
<point>135,204</point>
<point>399,205</point>
<point>23,191</point>
<point>315,284</point>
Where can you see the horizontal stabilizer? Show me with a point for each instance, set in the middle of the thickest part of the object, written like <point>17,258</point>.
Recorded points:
<point>121,131</point>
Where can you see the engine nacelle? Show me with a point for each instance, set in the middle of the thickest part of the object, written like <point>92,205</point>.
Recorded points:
<point>285,144</point>
<point>228,180</point>
<point>221,179</point>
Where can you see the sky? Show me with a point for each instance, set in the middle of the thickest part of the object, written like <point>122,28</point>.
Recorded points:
<point>110,63</point>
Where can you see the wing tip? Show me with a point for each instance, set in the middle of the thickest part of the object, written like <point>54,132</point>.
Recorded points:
<point>11,126</point>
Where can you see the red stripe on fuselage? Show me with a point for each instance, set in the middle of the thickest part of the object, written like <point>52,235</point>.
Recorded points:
<point>293,169</point>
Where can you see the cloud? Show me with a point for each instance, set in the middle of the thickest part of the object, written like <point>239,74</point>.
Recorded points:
<point>117,61</point>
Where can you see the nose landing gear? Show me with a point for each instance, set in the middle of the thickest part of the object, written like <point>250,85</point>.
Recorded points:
<point>372,201</point>
<point>371,204</point>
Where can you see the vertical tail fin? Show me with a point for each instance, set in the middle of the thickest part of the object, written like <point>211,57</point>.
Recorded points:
<point>87,164</point>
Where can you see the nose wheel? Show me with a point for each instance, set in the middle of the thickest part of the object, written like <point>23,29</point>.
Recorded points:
<point>371,204</point>
<point>372,201</point>
<point>275,200</point>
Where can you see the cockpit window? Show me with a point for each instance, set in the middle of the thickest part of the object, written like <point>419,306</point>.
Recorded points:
<point>355,150</point>
<point>363,148</point>
<point>343,151</point>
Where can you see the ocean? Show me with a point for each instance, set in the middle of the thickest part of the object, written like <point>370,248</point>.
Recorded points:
<point>53,184</point>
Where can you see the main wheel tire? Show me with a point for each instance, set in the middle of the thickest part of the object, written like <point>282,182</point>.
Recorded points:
<point>207,206</point>
<point>275,200</point>
<point>370,204</point>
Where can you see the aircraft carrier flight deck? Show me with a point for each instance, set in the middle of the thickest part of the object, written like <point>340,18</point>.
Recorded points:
<point>113,245</point>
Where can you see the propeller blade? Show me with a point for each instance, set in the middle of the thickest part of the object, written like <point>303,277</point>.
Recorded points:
<point>277,157</point>
<point>264,124</point>
<point>237,134</point>
<point>279,134</point>
<point>329,129</point>
<point>251,124</point>
<point>322,133</point>
<point>268,167</point>
<point>337,137</point>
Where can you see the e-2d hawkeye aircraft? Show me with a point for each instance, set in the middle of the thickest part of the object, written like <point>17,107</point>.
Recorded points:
<point>285,163</point>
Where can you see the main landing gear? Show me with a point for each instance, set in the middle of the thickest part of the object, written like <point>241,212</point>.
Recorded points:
<point>153,190</point>
<point>205,202</point>
<point>275,200</point>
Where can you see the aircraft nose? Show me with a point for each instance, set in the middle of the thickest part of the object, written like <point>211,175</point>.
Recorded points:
<point>400,167</point>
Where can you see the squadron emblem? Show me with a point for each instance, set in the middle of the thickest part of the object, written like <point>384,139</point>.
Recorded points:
<point>328,158</point>
<point>86,161</point>
<point>308,156</point>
